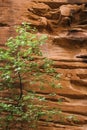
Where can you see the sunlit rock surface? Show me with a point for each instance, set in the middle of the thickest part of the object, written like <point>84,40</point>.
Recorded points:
<point>67,46</point>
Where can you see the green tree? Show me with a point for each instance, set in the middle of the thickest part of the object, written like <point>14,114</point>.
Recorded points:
<point>21,63</point>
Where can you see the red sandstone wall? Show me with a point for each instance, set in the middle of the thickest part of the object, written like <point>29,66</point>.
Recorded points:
<point>66,42</point>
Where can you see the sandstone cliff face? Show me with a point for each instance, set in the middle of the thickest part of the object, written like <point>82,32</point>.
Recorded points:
<point>67,46</point>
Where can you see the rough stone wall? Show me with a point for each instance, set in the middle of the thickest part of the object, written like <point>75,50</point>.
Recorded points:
<point>67,46</point>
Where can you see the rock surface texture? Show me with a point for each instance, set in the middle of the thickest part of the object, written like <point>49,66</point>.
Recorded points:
<point>66,27</point>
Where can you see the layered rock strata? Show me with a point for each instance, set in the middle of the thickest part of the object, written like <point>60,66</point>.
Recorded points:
<point>67,46</point>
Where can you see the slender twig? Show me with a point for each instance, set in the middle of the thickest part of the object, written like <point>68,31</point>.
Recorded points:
<point>21,87</point>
